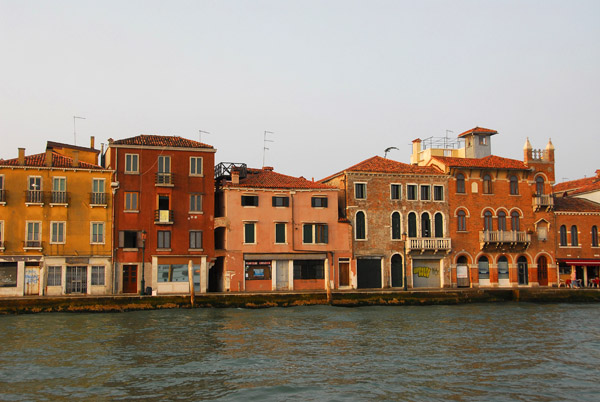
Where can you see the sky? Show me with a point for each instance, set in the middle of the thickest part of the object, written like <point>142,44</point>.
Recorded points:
<point>336,82</point>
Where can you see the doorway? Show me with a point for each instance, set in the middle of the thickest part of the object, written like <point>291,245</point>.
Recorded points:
<point>368,273</point>
<point>130,278</point>
<point>522,273</point>
<point>282,281</point>
<point>32,281</point>
<point>76,281</point>
<point>397,271</point>
<point>542,271</point>
<point>344,267</point>
<point>462,272</point>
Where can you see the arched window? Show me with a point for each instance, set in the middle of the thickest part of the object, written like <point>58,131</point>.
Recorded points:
<point>460,183</point>
<point>396,226</point>
<point>574,240</point>
<point>514,185</point>
<point>515,221</point>
<point>502,268</point>
<point>487,184</point>
<point>425,225</point>
<point>539,185</point>
<point>594,236</point>
<point>563,235</point>
<point>487,221</point>
<point>412,225</point>
<point>439,225</point>
<point>501,220</point>
<point>361,226</point>
<point>462,221</point>
<point>484,268</point>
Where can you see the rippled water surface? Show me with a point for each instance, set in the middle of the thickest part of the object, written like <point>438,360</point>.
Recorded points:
<point>502,352</point>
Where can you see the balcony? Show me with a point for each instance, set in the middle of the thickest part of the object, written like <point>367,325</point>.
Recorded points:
<point>164,179</point>
<point>32,245</point>
<point>500,238</point>
<point>98,199</point>
<point>163,217</point>
<point>428,244</point>
<point>3,197</point>
<point>543,202</point>
<point>59,198</point>
<point>34,197</point>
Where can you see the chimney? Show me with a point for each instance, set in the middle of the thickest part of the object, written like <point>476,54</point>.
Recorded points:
<point>268,168</point>
<point>48,157</point>
<point>235,177</point>
<point>527,151</point>
<point>597,174</point>
<point>75,159</point>
<point>92,142</point>
<point>21,156</point>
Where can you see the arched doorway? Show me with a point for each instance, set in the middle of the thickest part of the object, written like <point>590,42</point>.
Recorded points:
<point>397,272</point>
<point>542,271</point>
<point>483,266</point>
<point>462,272</point>
<point>522,271</point>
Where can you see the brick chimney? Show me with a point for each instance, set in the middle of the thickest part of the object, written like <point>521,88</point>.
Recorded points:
<point>21,156</point>
<point>92,142</point>
<point>235,176</point>
<point>48,157</point>
<point>268,168</point>
<point>75,159</point>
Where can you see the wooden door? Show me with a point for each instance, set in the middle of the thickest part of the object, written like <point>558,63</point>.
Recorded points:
<point>130,278</point>
<point>282,275</point>
<point>542,271</point>
<point>344,267</point>
<point>32,281</point>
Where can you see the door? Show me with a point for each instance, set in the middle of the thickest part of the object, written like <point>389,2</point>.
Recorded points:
<point>282,275</point>
<point>397,272</point>
<point>344,267</point>
<point>130,278</point>
<point>76,280</point>
<point>522,271</point>
<point>542,271</point>
<point>462,273</point>
<point>32,281</point>
<point>368,273</point>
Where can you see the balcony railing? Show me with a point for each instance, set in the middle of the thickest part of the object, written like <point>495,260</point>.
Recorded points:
<point>2,195</point>
<point>163,216</point>
<point>544,201</point>
<point>32,244</point>
<point>98,198</point>
<point>434,244</point>
<point>501,237</point>
<point>34,196</point>
<point>60,197</point>
<point>164,179</point>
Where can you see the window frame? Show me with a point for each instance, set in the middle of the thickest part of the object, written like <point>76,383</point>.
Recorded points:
<point>127,199</point>
<point>64,232</point>
<point>129,169</point>
<point>487,187</point>
<point>194,166</point>
<point>193,239</point>
<point>396,226</point>
<point>563,241</point>
<point>397,194</point>
<point>319,201</point>
<point>98,275</point>
<point>515,221</point>
<point>246,197</point>
<point>99,225</point>
<point>488,221</point>
<point>246,232</point>
<point>438,188</point>
<point>513,181</point>
<point>360,226</point>
<point>163,239</point>
<point>318,233</point>
<point>502,221</point>
<point>35,177</point>
<point>193,206</point>
<point>52,275</point>
<point>425,189</point>
<point>37,235</point>
<point>363,192</point>
<point>280,201</point>
<point>279,225</point>
<point>574,236</point>
<point>594,233</point>
<point>461,219</point>
<point>460,184</point>
<point>415,189</point>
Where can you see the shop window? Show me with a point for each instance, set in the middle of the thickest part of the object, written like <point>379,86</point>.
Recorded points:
<point>98,275</point>
<point>258,270</point>
<point>54,276</point>
<point>484,268</point>
<point>8,274</point>
<point>172,273</point>
<point>309,269</point>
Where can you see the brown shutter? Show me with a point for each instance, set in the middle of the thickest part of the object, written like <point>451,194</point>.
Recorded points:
<point>121,239</point>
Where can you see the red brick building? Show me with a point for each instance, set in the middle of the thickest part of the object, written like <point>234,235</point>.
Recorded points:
<point>164,212</point>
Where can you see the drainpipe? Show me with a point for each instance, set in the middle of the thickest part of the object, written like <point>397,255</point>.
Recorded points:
<point>113,248</point>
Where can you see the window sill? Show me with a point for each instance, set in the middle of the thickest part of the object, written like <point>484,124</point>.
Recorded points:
<point>97,244</point>
<point>33,204</point>
<point>98,205</point>
<point>58,243</point>
<point>32,248</point>
<point>131,211</point>
<point>195,249</point>
<point>130,249</point>
<point>164,185</point>
<point>569,246</point>
<point>196,175</point>
<point>196,212</point>
<point>515,195</point>
<point>280,244</point>
<point>2,203</point>
<point>52,204</point>
<point>132,173</point>
<point>163,249</point>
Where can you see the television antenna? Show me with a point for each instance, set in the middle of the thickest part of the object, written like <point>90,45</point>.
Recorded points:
<point>74,129</point>
<point>446,139</point>
<point>265,149</point>
<point>200,134</point>
<point>388,149</point>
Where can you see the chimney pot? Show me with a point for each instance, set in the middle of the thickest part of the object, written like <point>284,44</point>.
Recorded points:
<point>92,142</point>
<point>235,177</point>
<point>21,156</point>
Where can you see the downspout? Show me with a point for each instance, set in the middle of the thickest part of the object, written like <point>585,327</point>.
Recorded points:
<point>114,254</point>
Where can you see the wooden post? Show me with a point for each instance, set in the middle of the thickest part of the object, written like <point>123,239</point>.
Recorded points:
<point>327,283</point>
<point>191,279</point>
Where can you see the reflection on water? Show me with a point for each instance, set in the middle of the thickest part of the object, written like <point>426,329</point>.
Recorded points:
<point>472,352</point>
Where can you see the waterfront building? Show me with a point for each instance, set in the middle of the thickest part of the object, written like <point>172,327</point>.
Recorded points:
<point>278,232</point>
<point>164,208</point>
<point>400,223</point>
<point>502,210</point>
<point>55,220</point>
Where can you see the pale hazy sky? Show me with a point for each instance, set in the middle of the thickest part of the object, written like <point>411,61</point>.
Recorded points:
<point>336,81</point>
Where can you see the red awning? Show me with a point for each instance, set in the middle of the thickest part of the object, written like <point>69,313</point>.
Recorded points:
<point>582,261</point>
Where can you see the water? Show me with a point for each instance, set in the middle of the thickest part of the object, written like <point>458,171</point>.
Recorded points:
<point>501,352</point>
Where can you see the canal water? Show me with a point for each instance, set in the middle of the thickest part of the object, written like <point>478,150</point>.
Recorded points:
<point>499,352</point>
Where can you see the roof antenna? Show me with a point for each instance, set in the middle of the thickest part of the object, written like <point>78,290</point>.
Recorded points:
<point>74,130</point>
<point>388,149</point>
<point>200,134</point>
<point>265,149</point>
<point>446,139</point>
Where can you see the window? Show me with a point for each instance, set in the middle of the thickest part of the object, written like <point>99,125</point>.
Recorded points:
<point>2,194</point>
<point>280,233</point>
<point>439,225</point>
<point>515,221</point>
<point>250,200</point>
<point>173,273</point>
<point>282,201</point>
<point>484,268</point>
<point>35,183</point>
<point>483,140</point>
<point>425,193</point>
<point>196,166</point>
<point>131,201</point>
<point>460,183</point>
<point>195,202</point>
<point>164,170</point>
<point>395,191</point>
<point>98,275</point>
<point>396,235</point>
<point>425,225</point>
<point>501,220</point>
<point>360,191</point>
<point>487,184</point>
<point>34,193</point>
<point>163,239</point>
<point>438,193</point>
<point>503,268</point>
<point>258,270</point>
<point>318,202</point>
<point>34,234</point>
<point>462,221</point>
<point>514,185</point>
<point>97,232</point>
<point>1,234</point>
<point>309,269</point>
<point>131,163</point>
<point>130,239</point>
<point>411,192</point>
<point>539,185</point>
<point>487,221</point>
<point>59,188</point>
<point>54,276</point>
<point>249,233</point>
<point>361,226</point>
<point>412,225</point>
<point>195,239</point>
<point>315,233</point>
<point>574,240</point>
<point>57,232</point>
<point>98,195</point>
<point>8,274</point>
<point>563,235</point>
<point>594,236</point>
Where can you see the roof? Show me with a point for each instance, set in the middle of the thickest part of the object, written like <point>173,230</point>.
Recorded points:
<point>568,204</point>
<point>488,162</point>
<point>267,178</point>
<point>52,144</point>
<point>478,130</point>
<point>160,141</point>
<point>58,160</point>
<point>377,164</point>
<point>579,186</point>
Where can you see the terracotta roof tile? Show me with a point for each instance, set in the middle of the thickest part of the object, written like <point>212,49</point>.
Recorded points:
<point>579,186</point>
<point>58,160</point>
<point>478,130</point>
<point>267,178</point>
<point>568,204</point>
<point>377,164</point>
<point>161,141</point>
<point>488,162</point>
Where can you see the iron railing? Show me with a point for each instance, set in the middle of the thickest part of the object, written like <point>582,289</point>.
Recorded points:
<point>32,244</point>
<point>34,196</point>
<point>163,216</point>
<point>2,195</point>
<point>60,197</point>
<point>98,198</point>
<point>164,179</point>
<point>543,201</point>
